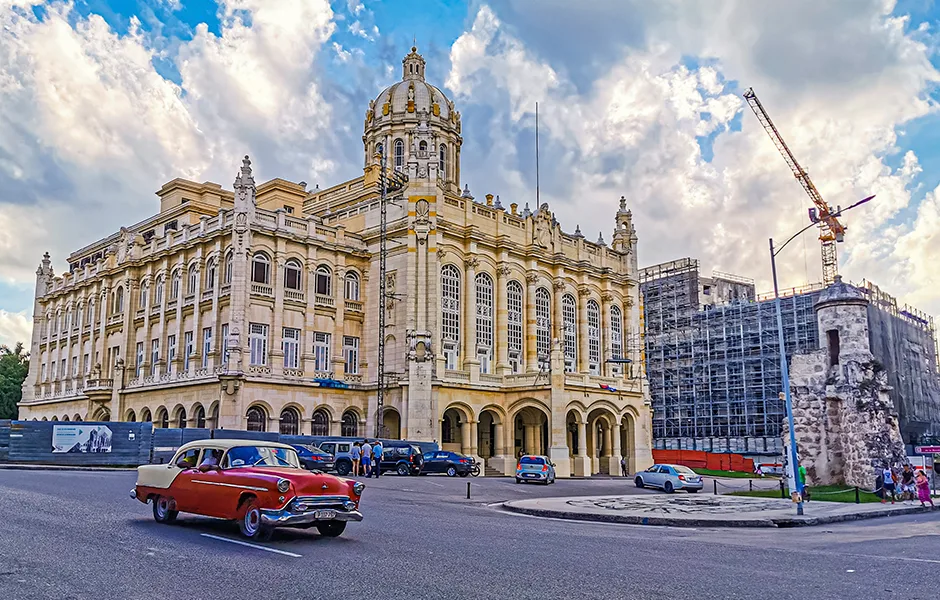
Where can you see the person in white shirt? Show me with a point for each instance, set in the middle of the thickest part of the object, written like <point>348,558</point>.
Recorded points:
<point>367,459</point>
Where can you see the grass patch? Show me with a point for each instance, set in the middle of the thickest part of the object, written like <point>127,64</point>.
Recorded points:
<point>732,474</point>
<point>822,493</point>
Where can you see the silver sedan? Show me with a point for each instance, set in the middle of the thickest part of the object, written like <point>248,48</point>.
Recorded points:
<point>670,478</point>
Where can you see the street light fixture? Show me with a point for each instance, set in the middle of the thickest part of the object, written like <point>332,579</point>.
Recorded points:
<point>792,461</point>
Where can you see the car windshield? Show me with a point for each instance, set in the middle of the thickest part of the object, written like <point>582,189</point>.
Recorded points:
<point>531,460</point>
<point>684,470</point>
<point>261,456</point>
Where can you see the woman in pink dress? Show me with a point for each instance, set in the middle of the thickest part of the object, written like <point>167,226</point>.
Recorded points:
<point>923,489</point>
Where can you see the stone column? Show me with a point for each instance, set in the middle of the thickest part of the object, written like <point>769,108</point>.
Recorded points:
<point>583,363</point>
<point>339,327</point>
<point>528,446</point>
<point>605,367</point>
<point>502,320</point>
<point>465,433</point>
<point>531,346</point>
<point>306,339</point>
<point>469,332</point>
<point>615,451</point>
<point>580,462</point>
<point>503,459</point>
<point>277,327</point>
<point>195,361</point>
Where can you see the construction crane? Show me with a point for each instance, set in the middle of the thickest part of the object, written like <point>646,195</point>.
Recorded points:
<point>830,229</point>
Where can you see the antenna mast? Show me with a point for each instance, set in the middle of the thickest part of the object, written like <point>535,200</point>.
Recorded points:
<point>537,201</point>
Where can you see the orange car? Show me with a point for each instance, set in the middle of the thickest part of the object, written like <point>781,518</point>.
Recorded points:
<point>261,485</point>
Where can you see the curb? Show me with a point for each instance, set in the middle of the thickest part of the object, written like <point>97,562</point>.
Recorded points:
<point>673,522</point>
<point>22,467</point>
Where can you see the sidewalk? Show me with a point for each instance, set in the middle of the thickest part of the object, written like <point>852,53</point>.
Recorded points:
<point>687,510</point>
<point>30,467</point>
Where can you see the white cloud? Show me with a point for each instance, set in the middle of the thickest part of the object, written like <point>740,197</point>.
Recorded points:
<point>15,327</point>
<point>634,131</point>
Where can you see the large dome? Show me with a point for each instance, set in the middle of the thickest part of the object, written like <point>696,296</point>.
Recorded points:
<point>426,97</point>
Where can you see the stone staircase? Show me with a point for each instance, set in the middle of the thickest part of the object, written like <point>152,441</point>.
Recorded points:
<point>489,471</point>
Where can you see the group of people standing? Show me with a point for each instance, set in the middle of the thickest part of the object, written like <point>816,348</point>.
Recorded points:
<point>902,484</point>
<point>367,458</point>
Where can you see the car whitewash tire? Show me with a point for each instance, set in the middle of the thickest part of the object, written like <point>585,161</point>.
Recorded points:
<point>331,528</point>
<point>161,510</point>
<point>249,522</point>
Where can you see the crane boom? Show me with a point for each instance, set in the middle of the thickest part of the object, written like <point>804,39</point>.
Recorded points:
<point>830,229</point>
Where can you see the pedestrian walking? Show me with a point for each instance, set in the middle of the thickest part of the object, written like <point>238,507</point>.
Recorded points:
<point>377,452</point>
<point>356,455</point>
<point>367,459</point>
<point>908,488</point>
<point>923,488</point>
<point>624,471</point>
<point>887,478</point>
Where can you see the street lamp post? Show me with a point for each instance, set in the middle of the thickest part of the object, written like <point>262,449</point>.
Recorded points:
<point>792,477</point>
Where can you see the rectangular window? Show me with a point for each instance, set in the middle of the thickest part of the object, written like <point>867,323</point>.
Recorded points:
<point>206,346</point>
<point>483,354</point>
<point>321,351</point>
<point>74,366</point>
<point>154,356</point>
<point>351,354</point>
<point>290,344</point>
<point>113,355</point>
<point>62,370</point>
<point>258,340</point>
<point>188,348</point>
<point>170,352</point>
<point>514,363</point>
<point>43,376</point>
<point>140,359</point>
<point>54,369</point>
<point>450,355</point>
<point>289,209</point>
<point>224,346</point>
<point>87,364</point>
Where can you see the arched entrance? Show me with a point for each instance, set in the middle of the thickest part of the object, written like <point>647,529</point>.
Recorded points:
<point>452,423</point>
<point>391,424</point>
<point>257,419</point>
<point>530,431</point>
<point>199,413</point>
<point>600,442</point>
<point>628,441</point>
<point>490,434</point>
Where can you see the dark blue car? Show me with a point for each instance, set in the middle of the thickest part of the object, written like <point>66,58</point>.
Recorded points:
<point>451,463</point>
<point>314,459</point>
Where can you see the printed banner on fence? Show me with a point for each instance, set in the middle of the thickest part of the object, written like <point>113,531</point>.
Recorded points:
<point>81,438</point>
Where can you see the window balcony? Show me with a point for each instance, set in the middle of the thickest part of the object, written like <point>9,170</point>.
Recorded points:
<point>99,384</point>
<point>207,295</point>
<point>294,295</point>
<point>171,304</point>
<point>259,369</point>
<point>189,299</point>
<point>116,319</point>
<point>322,300</point>
<point>294,373</point>
<point>260,289</point>
<point>353,306</point>
<point>352,377</point>
<point>225,290</point>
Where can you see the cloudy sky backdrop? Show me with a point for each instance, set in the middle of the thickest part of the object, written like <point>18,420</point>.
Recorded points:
<point>102,101</point>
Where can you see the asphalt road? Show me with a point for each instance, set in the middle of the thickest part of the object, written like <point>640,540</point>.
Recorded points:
<point>67,535</point>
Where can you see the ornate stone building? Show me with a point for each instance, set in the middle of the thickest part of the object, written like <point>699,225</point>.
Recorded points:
<point>257,308</point>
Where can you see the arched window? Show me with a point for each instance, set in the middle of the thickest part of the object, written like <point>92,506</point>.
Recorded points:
<point>399,154</point>
<point>442,160</point>
<point>450,314</point>
<point>616,336</point>
<point>145,416</point>
<point>192,280</point>
<point>594,337</point>
<point>181,418</point>
<point>320,423</point>
<point>350,427</point>
<point>261,268</point>
<point>290,422</point>
<point>214,417</point>
<point>163,418</point>
<point>569,320</point>
<point>379,148</point>
<point>257,419</point>
<point>483,284</point>
<point>543,324</point>
<point>158,292</point>
<point>131,417</point>
<point>324,281</point>
<point>514,323</point>
<point>423,146</point>
<point>144,297</point>
<point>66,418</point>
<point>229,258</point>
<point>200,414</point>
<point>292,274</point>
<point>118,303</point>
<point>55,418</point>
<point>175,285</point>
<point>210,274</point>
<point>352,285</point>
<point>78,418</point>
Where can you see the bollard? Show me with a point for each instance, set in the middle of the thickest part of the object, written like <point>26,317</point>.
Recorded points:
<point>750,485</point>
<point>715,485</point>
<point>468,490</point>
<point>857,499</point>
<point>783,494</point>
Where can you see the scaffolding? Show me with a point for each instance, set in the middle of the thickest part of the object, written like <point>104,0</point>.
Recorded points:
<point>714,371</point>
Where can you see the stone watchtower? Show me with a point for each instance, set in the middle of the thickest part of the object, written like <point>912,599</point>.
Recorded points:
<point>846,424</point>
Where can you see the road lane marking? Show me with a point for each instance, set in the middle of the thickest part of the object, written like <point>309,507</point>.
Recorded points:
<point>257,547</point>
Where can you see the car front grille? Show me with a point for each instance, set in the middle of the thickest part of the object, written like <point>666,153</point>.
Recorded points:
<point>309,502</point>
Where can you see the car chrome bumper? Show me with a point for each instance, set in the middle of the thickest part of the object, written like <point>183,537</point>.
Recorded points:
<point>287,518</point>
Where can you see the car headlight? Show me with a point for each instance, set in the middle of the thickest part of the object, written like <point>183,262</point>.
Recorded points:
<point>283,485</point>
<point>358,487</point>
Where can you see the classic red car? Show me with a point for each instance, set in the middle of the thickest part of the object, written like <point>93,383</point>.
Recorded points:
<point>259,484</point>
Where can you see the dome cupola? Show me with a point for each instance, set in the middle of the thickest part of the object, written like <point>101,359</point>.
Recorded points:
<point>419,125</point>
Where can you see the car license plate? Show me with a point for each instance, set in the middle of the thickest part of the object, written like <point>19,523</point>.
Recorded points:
<point>325,514</point>
<point>530,475</point>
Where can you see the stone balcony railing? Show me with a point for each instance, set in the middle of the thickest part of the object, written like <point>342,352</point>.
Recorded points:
<point>322,300</point>
<point>171,304</point>
<point>225,290</point>
<point>99,384</point>
<point>260,289</point>
<point>207,295</point>
<point>116,319</point>
<point>294,296</point>
<point>189,299</point>
<point>353,306</point>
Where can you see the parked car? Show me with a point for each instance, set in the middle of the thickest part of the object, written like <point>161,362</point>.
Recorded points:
<point>261,485</point>
<point>535,468</point>
<point>452,463</point>
<point>314,459</point>
<point>670,478</point>
<point>402,458</point>
<point>342,460</point>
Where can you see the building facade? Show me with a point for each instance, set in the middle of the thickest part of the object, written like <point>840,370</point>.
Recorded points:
<point>713,359</point>
<point>258,308</point>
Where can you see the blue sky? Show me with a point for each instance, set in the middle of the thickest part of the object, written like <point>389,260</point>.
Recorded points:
<point>106,100</point>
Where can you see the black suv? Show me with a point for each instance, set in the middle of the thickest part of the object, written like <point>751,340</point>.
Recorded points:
<point>401,457</point>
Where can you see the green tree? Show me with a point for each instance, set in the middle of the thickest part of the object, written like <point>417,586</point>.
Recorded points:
<point>14,365</point>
